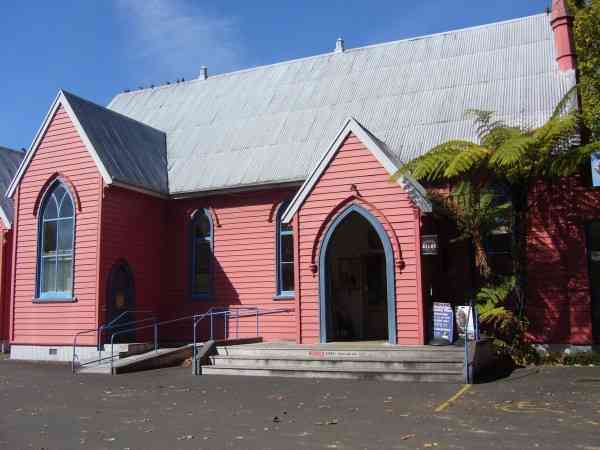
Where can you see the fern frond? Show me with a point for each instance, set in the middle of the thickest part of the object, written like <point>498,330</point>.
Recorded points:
<point>512,152</point>
<point>566,103</point>
<point>472,156</point>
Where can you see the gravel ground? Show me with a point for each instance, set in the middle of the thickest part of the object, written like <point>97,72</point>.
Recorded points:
<point>43,406</point>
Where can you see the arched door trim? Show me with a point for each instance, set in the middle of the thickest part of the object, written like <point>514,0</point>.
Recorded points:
<point>389,264</point>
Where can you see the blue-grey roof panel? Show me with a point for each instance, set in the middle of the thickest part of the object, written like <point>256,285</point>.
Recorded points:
<point>9,163</point>
<point>132,152</point>
<point>271,124</point>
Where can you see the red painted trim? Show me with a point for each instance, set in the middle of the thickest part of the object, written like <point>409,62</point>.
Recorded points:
<point>66,181</point>
<point>16,200</point>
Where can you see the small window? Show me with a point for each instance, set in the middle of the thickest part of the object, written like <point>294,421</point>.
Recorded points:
<point>55,240</point>
<point>201,249</point>
<point>285,255</point>
<point>500,240</point>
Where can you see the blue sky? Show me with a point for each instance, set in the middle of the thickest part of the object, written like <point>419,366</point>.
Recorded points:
<point>97,48</point>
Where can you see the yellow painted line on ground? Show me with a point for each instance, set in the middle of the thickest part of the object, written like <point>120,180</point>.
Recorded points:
<point>452,399</point>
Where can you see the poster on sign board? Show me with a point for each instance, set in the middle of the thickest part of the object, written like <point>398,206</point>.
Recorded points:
<point>443,321</point>
<point>467,322</point>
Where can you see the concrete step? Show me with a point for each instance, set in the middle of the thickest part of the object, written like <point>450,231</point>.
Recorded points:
<point>444,376</point>
<point>381,353</point>
<point>267,361</point>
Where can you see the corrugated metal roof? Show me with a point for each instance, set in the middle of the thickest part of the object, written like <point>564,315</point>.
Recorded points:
<point>271,124</point>
<point>9,163</point>
<point>132,152</point>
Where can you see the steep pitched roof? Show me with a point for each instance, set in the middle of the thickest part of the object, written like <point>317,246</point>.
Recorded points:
<point>272,124</point>
<point>413,188</point>
<point>125,151</point>
<point>9,162</point>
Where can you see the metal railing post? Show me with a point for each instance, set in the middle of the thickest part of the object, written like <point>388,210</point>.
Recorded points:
<point>155,336</point>
<point>257,323</point>
<point>237,325</point>
<point>467,368</point>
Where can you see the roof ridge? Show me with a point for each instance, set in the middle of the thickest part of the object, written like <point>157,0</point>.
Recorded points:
<point>331,53</point>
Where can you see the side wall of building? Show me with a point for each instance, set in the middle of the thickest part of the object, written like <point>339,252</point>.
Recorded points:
<point>133,231</point>
<point>244,247</point>
<point>61,152</point>
<point>559,287</point>
<point>355,175</point>
<point>5,277</point>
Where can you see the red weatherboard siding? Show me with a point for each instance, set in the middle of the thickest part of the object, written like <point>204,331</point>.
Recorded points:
<point>60,151</point>
<point>355,164</point>
<point>244,255</point>
<point>5,275</point>
<point>560,304</point>
<point>133,229</point>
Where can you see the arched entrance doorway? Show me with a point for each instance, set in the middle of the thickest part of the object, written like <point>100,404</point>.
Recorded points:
<point>356,280</point>
<point>120,295</point>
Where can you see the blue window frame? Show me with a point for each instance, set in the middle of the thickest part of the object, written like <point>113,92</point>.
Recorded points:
<point>285,255</point>
<point>56,232</point>
<point>201,244</point>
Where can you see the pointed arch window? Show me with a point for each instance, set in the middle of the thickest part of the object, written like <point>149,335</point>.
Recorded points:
<point>201,243</point>
<point>55,240</point>
<point>285,255</point>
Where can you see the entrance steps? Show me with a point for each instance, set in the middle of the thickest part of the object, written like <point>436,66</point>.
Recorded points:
<point>377,361</point>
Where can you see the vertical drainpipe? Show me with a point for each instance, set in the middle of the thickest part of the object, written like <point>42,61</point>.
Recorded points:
<point>297,287</point>
<point>99,294</point>
<point>3,308</point>
<point>562,23</point>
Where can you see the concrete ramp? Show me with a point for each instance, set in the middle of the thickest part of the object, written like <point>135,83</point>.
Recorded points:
<point>154,359</point>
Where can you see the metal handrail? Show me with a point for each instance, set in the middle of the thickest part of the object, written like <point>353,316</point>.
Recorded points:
<point>104,327</point>
<point>467,363</point>
<point>255,312</point>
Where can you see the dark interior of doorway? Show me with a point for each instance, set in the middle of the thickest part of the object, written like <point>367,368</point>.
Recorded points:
<point>356,282</point>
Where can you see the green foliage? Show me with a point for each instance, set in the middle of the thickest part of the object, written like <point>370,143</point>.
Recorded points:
<point>586,34</point>
<point>571,359</point>
<point>476,213</point>
<point>509,331</point>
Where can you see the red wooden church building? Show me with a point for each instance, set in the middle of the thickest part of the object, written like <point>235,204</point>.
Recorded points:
<point>270,187</point>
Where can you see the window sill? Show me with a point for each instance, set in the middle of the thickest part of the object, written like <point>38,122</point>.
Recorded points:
<point>284,297</point>
<point>54,300</point>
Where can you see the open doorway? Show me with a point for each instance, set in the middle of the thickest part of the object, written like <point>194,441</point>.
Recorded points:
<point>357,280</point>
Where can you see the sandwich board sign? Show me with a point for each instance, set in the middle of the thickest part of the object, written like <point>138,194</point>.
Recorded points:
<point>443,321</point>
<point>467,322</point>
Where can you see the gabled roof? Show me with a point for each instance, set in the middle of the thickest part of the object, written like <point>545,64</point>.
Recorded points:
<point>270,124</point>
<point>125,151</point>
<point>9,162</point>
<point>413,188</point>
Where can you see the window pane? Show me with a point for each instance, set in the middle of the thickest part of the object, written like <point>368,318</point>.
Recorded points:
<point>287,248</point>
<point>287,277</point>
<point>66,209</point>
<point>64,275</point>
<point>48,274</point>
<point>202,266</point>
<point>49,237</point>
<point>50,211</point>
<point>65,235</point>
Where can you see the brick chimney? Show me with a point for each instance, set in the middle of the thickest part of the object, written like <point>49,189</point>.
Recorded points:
<point>562,23</point>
